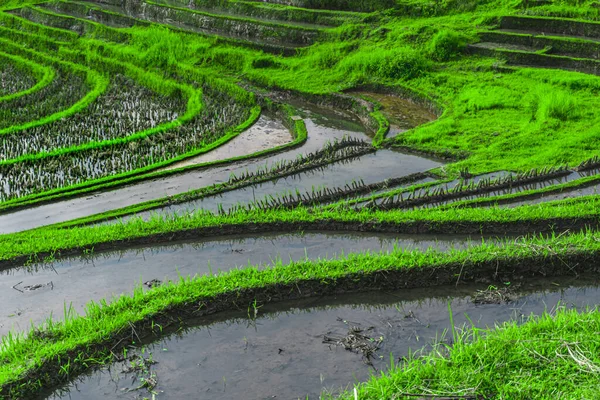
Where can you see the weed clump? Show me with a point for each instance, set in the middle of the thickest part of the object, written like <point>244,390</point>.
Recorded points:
<point>402,63</point>
<point>446,45</point>
<point>554,104</point>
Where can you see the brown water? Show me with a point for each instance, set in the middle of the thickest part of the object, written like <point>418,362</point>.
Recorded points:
<point>403,114</point>
<point>280,354</point>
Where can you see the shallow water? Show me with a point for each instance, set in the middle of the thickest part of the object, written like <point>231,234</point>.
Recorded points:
<point>265,134</point>
<point>567,194</point>
<point>323,125</point>
<point>403,114</point>
<point>281,353</point>
<point>76,281</point>
<point>370,168</point>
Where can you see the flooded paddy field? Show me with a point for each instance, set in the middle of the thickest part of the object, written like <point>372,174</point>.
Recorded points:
<point>33,292</point>
<point>323,125</point>
<point>300,349</point>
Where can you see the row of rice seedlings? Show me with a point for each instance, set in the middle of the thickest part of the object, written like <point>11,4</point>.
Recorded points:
<point>125,108</point>
<point>290,199</point>
<point>465,188</point>
<point>65,90</point>
<point>315,196</point>
<point>14,78</point>
<point>339,149</point>
<point>315,162</point>
<point>590,163</point>
<point>324,194</point>
<point>220,114</point>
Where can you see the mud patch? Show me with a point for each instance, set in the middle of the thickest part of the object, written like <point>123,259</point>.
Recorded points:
<point>403,114</point>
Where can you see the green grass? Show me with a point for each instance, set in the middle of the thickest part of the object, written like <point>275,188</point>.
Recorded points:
<point>553,356</point>
<point>79,342</point>
<point>52,240</point>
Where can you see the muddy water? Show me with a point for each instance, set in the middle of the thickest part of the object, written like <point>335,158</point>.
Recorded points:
<point>323,126</point>
<point>281,353</point>
<point>76,281</point>
<point>265,134</point>
<point>567,194</point>
<point>403,114</point>
<point>370,168</point>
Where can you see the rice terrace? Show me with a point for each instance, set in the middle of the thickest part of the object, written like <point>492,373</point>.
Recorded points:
<point>300,199</point>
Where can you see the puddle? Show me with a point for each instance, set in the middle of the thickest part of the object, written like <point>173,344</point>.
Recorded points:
<point>403,114</point>
<point>265,134</point>
<point>30,294</point>
<point>280,353</point>
<point>323,126</point>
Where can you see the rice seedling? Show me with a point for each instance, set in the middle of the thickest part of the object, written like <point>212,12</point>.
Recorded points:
<point>220,112</point>
<point>125,108</point>
<point>14,77</point>
<point>67,88</point>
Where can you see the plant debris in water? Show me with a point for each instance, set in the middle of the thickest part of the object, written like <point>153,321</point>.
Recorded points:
<point>357,340</point>
<point>494,295</point>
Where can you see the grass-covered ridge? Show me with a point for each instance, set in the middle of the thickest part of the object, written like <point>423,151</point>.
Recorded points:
<point>551,356</point>
<point>66,348</point>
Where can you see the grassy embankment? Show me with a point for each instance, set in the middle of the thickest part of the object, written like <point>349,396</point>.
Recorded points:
<point>553,356</point>
<point>57,351</point>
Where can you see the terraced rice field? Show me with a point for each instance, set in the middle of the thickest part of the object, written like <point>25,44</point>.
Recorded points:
<point>235,199</point>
